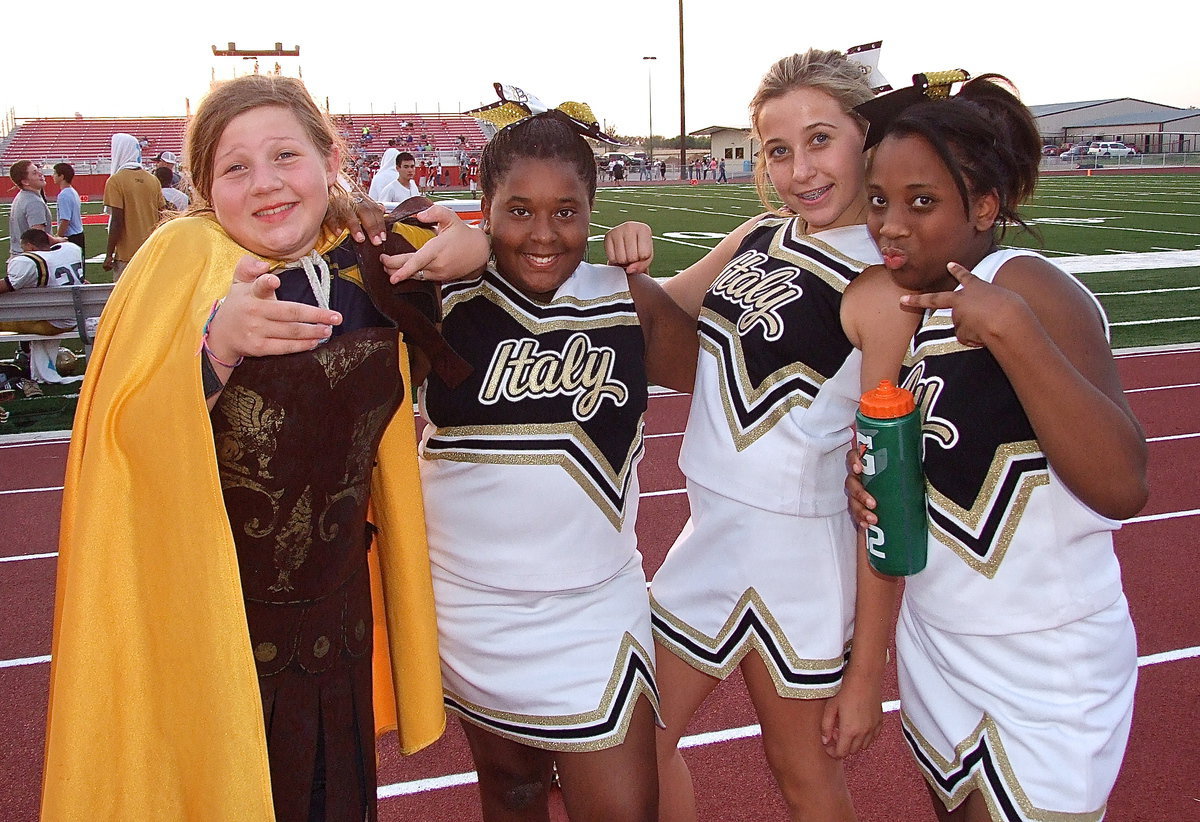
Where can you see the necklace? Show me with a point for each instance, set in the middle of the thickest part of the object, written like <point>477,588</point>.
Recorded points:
<point>321,283</point>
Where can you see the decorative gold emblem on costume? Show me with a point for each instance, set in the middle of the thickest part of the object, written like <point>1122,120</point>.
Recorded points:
<point>254,422</point>
<point>293,541</point>
<point>340,361</point>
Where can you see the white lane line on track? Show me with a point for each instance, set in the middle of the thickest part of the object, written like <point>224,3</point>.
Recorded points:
<point>32,490</point>
<point>671,491</point>
<point>1164,516</point>
<point>1162,387</point>
<point>677,491</point>
<point>20,557</point>
<point>29,660</point>
<point>1172,437</point>
<point>710,738</point>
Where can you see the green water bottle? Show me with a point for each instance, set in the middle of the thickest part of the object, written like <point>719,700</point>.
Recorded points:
<point>889,425</point>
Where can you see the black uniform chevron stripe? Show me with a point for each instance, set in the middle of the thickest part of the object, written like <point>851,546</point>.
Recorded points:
<point>750,622</point>
<point>635,669</point>
<point>982,543</point>
<point>560,310</point>
<point>979,756</point>
<point>616,495</point>
<point>844,271</point>
<point>748,411</point>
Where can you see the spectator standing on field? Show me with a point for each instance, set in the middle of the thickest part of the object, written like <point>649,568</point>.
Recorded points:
<point>134,199</point>
<point>29,209</point>
<point>69,208</point>
<point>472,174</point>
<point>385,176</point>
<point>403,187</point>
<point>168,160</point>
<point>176,199</point>
<point>721,178</point>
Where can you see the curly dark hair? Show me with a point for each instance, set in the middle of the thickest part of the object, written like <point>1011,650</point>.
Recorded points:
<point>987,139</point>
<point>547,136</point>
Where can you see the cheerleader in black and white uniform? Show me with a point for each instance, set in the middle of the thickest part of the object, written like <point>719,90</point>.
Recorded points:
<point>1016,651</point>
<point>765,577</point>
<point>529,473</point>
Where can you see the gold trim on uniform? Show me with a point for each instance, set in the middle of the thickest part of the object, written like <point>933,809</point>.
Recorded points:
<point>831,278</point>
<point>939,326</point>
<point>988,501</point>
<point>987,734</point>
<point>742,383</point>
<point>622,666</point>
<point>573,431</point>
<point>623,312</point>
<point>750,600</point>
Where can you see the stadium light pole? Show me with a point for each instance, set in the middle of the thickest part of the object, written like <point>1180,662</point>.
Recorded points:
<point>650,105</point>
<point>682,100</point>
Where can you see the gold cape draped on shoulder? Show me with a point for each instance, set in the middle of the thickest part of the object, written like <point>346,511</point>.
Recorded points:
<point>154,709</point>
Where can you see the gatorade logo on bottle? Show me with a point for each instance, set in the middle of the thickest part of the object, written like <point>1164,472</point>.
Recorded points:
<point>888,424</point>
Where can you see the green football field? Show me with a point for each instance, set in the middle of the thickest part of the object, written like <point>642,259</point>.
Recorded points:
<point>1152,298</point>
<point>1133,239</point>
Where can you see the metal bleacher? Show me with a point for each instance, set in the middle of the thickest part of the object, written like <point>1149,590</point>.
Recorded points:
<point>411,131</point>
<point>86,141</point>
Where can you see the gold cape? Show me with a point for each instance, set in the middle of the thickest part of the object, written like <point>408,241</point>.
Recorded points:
<point>154,709</point>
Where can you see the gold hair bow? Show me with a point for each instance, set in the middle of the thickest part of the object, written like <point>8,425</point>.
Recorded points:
<point>880,112</point>
<point>517,104</point>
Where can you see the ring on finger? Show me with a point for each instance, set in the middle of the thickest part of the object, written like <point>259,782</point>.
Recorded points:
<point>420,275</point>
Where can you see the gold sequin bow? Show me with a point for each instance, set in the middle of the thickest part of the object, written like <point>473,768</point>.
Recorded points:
<point>517,104</point>
<point>881,111</point>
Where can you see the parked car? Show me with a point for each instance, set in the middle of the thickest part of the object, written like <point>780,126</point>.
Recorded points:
<point>1110,149</point>
<point>630,162</point>
<point>1074,153</point>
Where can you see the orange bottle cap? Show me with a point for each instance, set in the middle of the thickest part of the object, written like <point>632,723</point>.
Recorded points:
<point>886,402</point>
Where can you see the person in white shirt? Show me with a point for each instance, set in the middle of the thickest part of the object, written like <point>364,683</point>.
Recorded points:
<point>43,261</point>
<point>385,175</point>
<point>403,187</point>
<point>176,199</point>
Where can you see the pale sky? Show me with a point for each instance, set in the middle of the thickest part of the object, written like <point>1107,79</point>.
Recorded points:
<point>445,55</point>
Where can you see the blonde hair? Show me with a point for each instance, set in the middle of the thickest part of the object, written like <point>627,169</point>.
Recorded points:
<point>231,98</point>
<point>828,71</point>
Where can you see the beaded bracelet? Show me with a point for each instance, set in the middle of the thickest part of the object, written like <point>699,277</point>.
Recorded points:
<point>204,339</point>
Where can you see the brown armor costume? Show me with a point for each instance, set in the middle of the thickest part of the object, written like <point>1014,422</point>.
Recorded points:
<point>296,438</point>
<point>296,490</point>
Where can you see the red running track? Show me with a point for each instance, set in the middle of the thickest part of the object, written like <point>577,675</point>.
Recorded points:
<point>1157,551</point>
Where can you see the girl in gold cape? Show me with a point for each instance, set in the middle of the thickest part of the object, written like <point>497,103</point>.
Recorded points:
<point>155,710</point>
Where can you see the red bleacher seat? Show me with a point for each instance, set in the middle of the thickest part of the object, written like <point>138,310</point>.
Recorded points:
<point>80,140</point>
